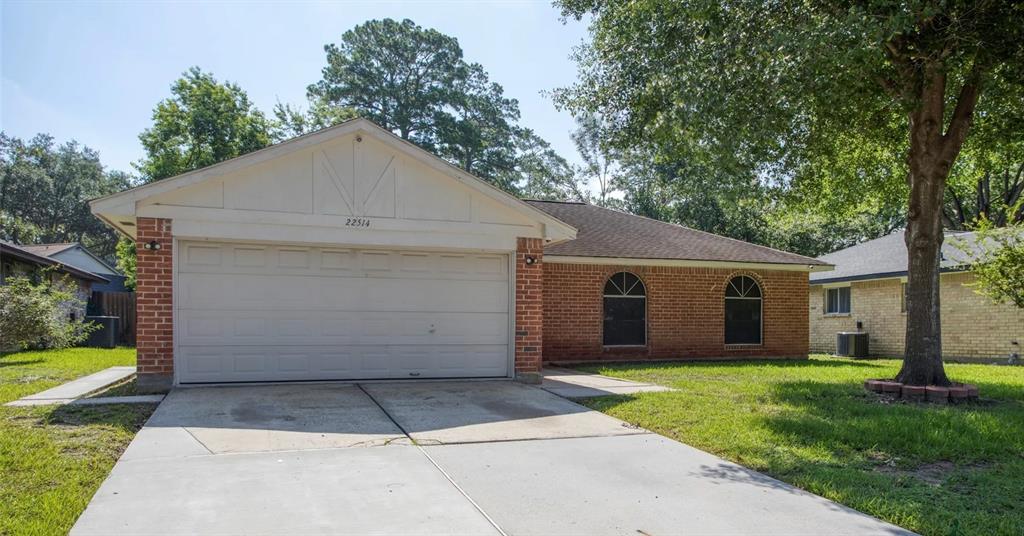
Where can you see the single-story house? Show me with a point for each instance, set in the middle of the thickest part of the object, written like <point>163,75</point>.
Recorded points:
<point>350,253</point>
<point>19,261</point>
<point>79,256</point>
<point>868,286</point>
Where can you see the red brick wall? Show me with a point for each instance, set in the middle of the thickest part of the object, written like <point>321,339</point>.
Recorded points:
<point>529,308</point>
<point>685,313</point>
<point>154,311</point>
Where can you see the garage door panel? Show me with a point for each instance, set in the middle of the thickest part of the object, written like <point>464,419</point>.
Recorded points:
<point>330,262</point>
<point>208,291</point>
<point>277,312</point>
<point>226,327</point>
<point>283,363</point>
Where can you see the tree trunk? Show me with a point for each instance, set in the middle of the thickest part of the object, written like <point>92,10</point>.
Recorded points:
<point>930,159</point>
<point>922,362</point>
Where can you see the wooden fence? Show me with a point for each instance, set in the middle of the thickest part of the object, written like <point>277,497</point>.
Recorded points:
<point>119,304</point>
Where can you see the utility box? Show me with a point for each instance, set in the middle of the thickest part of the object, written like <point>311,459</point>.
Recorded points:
<point>852,344</point>
<point>106,335</point>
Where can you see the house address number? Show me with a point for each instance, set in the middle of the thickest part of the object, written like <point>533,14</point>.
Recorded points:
<point>357,222</point>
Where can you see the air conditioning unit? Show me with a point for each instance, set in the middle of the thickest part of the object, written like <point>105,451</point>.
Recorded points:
<point>852,344</point>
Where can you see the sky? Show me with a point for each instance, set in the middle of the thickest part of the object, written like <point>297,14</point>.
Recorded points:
<point>93,71</point>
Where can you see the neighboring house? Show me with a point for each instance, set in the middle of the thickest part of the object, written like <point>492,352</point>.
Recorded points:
<point>18,261</point>
<point>868,286</point>
<point>77,255</point>
<point>349,253</point>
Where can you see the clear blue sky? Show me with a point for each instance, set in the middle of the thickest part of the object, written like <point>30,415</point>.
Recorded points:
<point>93,71</point>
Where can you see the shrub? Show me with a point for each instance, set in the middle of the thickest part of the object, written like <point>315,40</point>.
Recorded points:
<point>39,315</point>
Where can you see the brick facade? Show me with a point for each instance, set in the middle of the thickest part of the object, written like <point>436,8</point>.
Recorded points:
<point>685,313</point>
<point>972,326</point>
<point>154,309</point>
<point>529,309</point>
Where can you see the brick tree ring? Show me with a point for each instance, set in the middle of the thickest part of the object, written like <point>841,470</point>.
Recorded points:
<point>935,394</point>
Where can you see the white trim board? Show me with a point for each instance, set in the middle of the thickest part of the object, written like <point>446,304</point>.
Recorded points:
<point>687,263</point>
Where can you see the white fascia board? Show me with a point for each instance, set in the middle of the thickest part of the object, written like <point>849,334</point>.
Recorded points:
<point>625,261</point>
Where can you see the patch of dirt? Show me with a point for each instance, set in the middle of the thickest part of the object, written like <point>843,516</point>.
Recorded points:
<point>933,474</point>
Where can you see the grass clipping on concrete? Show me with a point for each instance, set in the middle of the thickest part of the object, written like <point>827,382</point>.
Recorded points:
<point>934,469</point>
<point>53,458</point>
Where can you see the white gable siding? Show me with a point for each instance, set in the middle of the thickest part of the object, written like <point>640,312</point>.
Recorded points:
<point>313,195</point>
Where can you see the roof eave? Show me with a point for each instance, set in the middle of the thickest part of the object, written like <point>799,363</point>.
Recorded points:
<point>696,263</point>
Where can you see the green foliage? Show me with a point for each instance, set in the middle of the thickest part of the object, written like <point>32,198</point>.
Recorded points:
<point>799,102</point>
<point>599,160</point>
<point>203,123</point>
<point>810,423</point>
<point>126,259</point>
<point>415,82</point>
<point>292,122</point>
<point>999,270</point>
<point>44,189</point>
<point>38,315</point>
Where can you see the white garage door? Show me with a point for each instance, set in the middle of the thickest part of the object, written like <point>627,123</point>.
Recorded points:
<point>268,313</point>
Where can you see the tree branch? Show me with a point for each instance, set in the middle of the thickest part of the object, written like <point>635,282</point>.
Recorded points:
<point>963,114</point>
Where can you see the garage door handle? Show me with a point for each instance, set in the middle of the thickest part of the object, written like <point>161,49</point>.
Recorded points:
<point>414,373</point>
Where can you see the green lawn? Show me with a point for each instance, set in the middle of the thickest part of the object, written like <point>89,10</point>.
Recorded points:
<point>53,458</point>
<point>935,470</point>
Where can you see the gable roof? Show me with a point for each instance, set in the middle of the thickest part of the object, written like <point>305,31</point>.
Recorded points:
<point>607,233</point>
<point>22,254</point>
<point>54,251</point>
<point>887,257</point>
<point>112,207</point>
<point>47,250</point>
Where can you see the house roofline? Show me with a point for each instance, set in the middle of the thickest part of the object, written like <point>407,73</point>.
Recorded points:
<point>561,230</point>
<point>17,252</point>
<point>883,275</point>
<point>685,263</point>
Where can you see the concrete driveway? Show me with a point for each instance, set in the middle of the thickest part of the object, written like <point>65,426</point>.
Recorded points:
<point>431,458</point>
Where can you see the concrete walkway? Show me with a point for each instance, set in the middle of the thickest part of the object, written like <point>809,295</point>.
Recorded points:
<point>571,383</point>
<point>75,389</point>
<point>431,458</point>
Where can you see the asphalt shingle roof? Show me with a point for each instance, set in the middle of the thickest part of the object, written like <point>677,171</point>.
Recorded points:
<point>48,249</point>
<point>887,257</point>
<point>603,232</point>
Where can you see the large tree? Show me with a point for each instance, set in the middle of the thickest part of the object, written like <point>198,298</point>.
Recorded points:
<point>203,122</point>
<point>43,192</point>
<point>779,90</point>
<point>415,82</point>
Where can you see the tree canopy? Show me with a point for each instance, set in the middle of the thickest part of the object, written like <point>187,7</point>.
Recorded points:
<point>415,82</point>
<point>44,189</point>
<point>847,107</point>
<point>203,122</point>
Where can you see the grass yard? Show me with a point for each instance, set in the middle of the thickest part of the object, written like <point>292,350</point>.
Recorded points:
<point>946,470</point>
<point>53,458</point>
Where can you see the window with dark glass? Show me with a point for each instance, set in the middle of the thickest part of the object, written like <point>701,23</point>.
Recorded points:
<point>625,311</point>
<point>837,300</point>
<point>742,311</point>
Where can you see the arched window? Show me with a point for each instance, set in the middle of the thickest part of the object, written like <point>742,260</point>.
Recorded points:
<point>742,311</point>
<point>625,311</point>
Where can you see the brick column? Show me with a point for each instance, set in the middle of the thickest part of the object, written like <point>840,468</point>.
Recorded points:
<point>529,309</point>
<point>154,306</point>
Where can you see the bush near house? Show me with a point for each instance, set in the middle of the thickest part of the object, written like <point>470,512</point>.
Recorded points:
<point>936,470</point>
<point>37,315</point>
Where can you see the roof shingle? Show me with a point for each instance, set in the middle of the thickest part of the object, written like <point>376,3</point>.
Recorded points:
<point>604,232</point>
<point>887,257</point>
